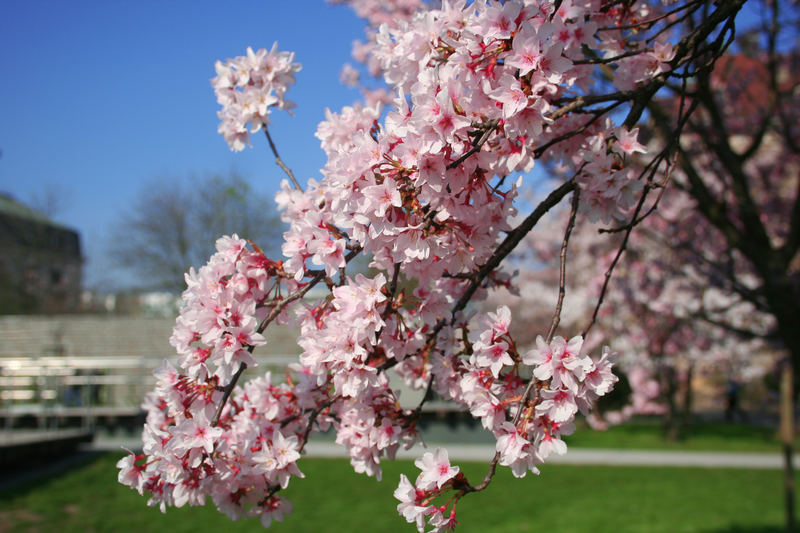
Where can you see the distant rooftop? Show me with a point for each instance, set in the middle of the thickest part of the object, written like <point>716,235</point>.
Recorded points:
<point>10,206</point>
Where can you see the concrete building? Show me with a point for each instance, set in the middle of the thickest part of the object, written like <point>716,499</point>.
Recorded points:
<point>40,262</point>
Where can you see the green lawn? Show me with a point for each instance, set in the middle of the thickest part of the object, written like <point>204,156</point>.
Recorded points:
<point>644,434</point>
<point>332,499</point>
<point>648,435</point>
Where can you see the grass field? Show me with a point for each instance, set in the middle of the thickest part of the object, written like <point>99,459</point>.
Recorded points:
<point>648,435</point>
<point>642,435</point>
<point>333,499</point>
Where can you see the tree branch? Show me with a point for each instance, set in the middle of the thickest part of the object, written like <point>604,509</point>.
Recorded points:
<point>279,161</point>
<point>563,265</point>
<point>508,245</point>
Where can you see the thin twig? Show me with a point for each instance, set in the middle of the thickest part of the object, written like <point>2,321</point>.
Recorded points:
<point>649,22</point>
<point>561,292</point>
<point>314,414</point>
<point>280,162</point>
<point>613,265</point>
<point>392,290</point>
<point>487,478</point>
<point>226,392</point>
<point>388,309</point>
<point>563,267</point>
<point>477,144</point>
<point>508,245</point>
<point>425,398</point>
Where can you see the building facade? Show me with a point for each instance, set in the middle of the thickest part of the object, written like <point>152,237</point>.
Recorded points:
<point>40,262</point>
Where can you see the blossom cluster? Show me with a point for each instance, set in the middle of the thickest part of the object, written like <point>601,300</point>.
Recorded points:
<point>609,187</point>
<point>499,70</point>
<point>240,463</point>
<point>223,306</point>
<point>247,87</point>
<point>487,379</point>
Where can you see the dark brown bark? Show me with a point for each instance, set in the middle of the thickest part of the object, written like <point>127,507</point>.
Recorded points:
<point>672,424</point>
<point>688,401</point>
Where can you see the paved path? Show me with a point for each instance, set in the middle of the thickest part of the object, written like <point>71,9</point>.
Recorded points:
<point>575,456</point>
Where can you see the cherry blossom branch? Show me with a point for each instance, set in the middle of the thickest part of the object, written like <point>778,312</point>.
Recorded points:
<point>314,414</point>
<point>661,188</point>
<point>227,390</point>
<point>486,129</point>
<point>513,238</point>
<point>641,97</point>
<point>276,311</point>
<point>425,397</point>
<point>649,22</point>
<point>561,292</point>
<point>392,290</point>
<point>563,267</point>
<point>652,167</point>
<point>507,246</point>
<point>280,162</point>
<point>613,265</point>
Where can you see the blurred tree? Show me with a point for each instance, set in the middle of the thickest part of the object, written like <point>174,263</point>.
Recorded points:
<point>738,171</point>
<point>712,269</point>
<point>172,225</point>
<point>714,261</point>
<point>51,199</point>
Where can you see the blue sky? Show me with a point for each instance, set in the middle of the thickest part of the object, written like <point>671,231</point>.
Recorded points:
<point>99,98</point>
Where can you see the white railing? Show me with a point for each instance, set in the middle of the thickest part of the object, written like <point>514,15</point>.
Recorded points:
<point>51,388</point>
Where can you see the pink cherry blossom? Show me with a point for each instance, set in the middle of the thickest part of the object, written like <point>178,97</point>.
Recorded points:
<point>436,469</point>
<point>247,86</point>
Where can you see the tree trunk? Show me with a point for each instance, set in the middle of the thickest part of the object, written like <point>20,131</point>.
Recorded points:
<point>688,400</point>
<point>787,437</point>
<point>671,420</point>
